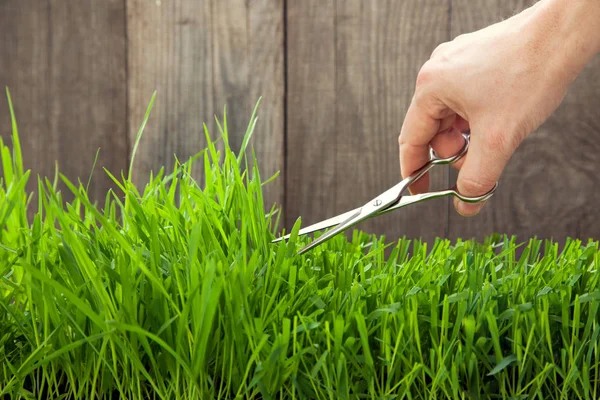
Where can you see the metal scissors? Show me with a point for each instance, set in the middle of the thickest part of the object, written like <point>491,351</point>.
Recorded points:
<point>390,200</point>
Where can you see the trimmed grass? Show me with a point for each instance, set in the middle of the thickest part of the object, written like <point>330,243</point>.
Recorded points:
<point>175,292</point>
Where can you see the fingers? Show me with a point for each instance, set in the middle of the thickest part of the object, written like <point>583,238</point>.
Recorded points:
<point>447,143</point>
<point>461,124</point>
<point>481,169</point>
<point>450,141</point>
<point>418,129</point>
<point>447,123</point>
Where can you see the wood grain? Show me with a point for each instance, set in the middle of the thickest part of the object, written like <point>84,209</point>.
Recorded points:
<point>311,185</point>
<point>231,65</point>
<point>550,186</point>
<point>65,65</point>
<point>267,80</point>
<point>170,50</point>
<point>380,48</point>
<point>248,64</point>
<point>347,80</point>
<point>200,57</point>
<point>25,69</point>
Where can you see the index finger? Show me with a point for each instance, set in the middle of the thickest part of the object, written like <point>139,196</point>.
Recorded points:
<point>418,129</point>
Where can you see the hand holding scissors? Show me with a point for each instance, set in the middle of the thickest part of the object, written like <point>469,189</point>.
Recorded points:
<point>391,199</point>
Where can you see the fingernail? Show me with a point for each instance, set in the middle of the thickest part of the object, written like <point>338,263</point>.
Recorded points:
<point>468,209</point>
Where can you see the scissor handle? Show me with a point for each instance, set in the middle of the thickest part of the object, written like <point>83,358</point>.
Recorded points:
<point>435,159</point>
<point>473,199</point>
<point>417,198</point>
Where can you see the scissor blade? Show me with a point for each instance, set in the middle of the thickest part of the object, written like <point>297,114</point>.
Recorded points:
<point>350,218</point>
<point>370,209</point>
<point>328,223</point>
<point>373,211</point>
<point>353,220</point>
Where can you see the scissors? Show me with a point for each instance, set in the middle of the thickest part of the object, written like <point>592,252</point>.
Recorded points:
<point>391,199</point>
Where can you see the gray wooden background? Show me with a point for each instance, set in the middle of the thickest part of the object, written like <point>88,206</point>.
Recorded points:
<point>336,79</point>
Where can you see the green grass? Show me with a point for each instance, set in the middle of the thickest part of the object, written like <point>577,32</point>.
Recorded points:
<point>175,292</point>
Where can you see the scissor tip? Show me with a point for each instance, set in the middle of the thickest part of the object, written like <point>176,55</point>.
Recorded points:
<point>279,239</point>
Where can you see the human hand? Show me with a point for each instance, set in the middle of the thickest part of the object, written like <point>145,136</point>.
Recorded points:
<point>501,83</point>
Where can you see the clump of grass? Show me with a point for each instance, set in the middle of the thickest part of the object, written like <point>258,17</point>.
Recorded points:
<point>175,292</point>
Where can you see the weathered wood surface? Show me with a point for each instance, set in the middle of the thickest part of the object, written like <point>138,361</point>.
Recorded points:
<point>201,56</point>
<point>550,187</point>
<point>336,79</point>
<point>64,63</point>
<point>311,123</point>
<point>170,50</point>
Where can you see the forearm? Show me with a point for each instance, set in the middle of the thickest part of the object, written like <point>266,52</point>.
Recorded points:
<point>568,33</point>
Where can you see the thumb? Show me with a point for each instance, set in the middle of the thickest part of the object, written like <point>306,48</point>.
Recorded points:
<point>484,162</point>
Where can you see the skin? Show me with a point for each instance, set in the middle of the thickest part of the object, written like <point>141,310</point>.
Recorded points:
<point>501,83</point>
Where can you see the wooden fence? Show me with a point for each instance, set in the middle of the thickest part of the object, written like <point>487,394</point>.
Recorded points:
<point>336,79</point>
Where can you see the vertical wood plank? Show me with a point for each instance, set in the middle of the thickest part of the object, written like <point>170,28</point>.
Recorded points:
<point>171,51</point>
<point>248,64</point>
<point>267,80</point>
<point>230,65</point>
<point>68,76</point>
<point>25,69</point>
<point>202,56</point>
<point>88,58</point>
<point>550,186</point>
<point>380,48</point>
<point>311,117</point>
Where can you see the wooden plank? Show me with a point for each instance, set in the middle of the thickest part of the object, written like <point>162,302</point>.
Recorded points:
<point>248,64</point>
<point>87,75</point>
<point>380,48</point>
<point>550,186</point>
<point>24,68</point>
<point>230,65</point>
<point>267,80</point>
<point>202,56</point>
<point>170,51</point>
<point>68,75</point>
<point>311,125</point>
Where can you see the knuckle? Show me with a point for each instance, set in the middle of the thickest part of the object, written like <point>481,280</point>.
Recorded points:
<point>427,74</point>
<point>401,141</point>
<point>432,78</point>
<point>403,144</point>
<point>439,49</point>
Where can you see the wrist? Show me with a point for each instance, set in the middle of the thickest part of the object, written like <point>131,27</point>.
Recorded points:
<point>569,31</point>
